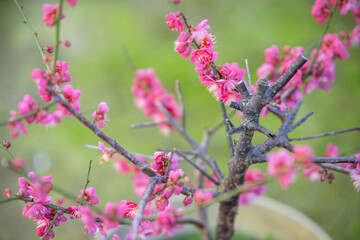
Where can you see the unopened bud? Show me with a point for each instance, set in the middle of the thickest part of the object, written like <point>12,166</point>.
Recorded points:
<point>187,200</point>
<point>46,58</point>
<point>6,144</point>
<point>18,163</point>
<point>7,193</point>
<point>67,43</point>
<point>49,48</point>
<point>330,177</point>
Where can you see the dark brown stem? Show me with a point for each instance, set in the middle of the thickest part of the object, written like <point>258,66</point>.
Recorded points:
<point>352,160</point>
<point>326,134</point>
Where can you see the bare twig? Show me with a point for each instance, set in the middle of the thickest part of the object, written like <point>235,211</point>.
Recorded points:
<point>337,168</point>
<point>301,121</point>
<point>147,124</point>
<point>181,101</point>
<point>86,183</point>
<point>198,168</point>
<point>326,134</point>
<point>277,112</point>
<point>142,166</point>
<point>197,223</point>
<point>249,78</point>
<point>225,118</point>
<point>335,160</point>
<point>142,204</point>
<point>209,160</point>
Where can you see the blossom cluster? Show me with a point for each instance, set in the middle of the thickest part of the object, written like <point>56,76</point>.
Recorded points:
<point>321,9</point>
<point>149,92</point>
<point>197,42</point>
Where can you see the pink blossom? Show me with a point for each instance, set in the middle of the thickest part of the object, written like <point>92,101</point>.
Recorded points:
<point>129,208</point>
<point>321,10</point>
<point>89,196</point>
<point>161,203</point>
<point>272,55</point>
<point>353,38</point>
<point>7,193</point>
<point>108,153</point>
<point>176,2</point>
<point>281,165</point>
<point>162,160</point>
<point>49,48</point>
<point>183,44</point>
<point>140,183</point>
<point>49,119</point>
<point>115,237</point>
<point>355,10</point>
<point>27,105</point>
<point>91,226</point>
<point>72,2</point>
<point>313,173</point>
<point>174,21</point>
<point>50,13</point>
<point>209,183</point>
<point>252,176</point>
<point>303,155</point>
<point>111,209</point>
<point>100,115</point>
<point>120,165</point>
<point>344,5</point>
<point>332,150</point>
<point>200,29</point>
<point>202,56</point>
<point>166,222</point>
<point>61,73</point>
<point>15,126</point>
<point>18,163</point>
<point>355,177</point>
<point>187,200</point>
<point>332,46</point>
<point>71,96</point>
<point>201,196</point>
<point>42,226</point>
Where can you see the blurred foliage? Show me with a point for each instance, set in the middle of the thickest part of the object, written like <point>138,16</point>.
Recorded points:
<point>105,35</point>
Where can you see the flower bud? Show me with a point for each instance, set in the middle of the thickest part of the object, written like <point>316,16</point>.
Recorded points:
<point>6,144</point>
<point>7,193</point>
<point>49,48</point>
<point>18,163</point>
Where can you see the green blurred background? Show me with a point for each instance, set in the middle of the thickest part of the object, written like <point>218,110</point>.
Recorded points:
<point>101,33</point>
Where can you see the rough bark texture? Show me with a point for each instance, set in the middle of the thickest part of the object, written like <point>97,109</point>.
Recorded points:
<point>244,150</point>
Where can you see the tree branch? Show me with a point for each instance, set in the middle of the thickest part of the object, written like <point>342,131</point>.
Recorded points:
<point>326,134</point>
<point>142,204</point>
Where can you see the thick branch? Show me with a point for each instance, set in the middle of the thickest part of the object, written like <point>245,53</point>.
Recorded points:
<point>352,160</point>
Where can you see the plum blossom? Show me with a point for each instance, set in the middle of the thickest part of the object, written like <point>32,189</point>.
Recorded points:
<point>355,177</point>
<point>120,165</point>
<point>89,196</point>
<point>27,105</point>
<point>321,10</point>
<point>332,150</point>
<point>201,196</point>
<point>166,222</point>
<point>252,176</point>
<point>91,226</point>
<point>174,21</point>
<point>303,155</point>
<point>71,96</point>
<point>100,115</point>
<point>161,162</point>
<point>108,153</point>
<point>15,126</point>
<point>50,12</point>
<point>281,165</point>
<point>183,44</point>
<point>313,172</point>
<point>72,2</point>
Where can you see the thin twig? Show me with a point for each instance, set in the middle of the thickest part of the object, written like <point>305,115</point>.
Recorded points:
<point>229,139</point>
<point>142,204</point>
<point>33,33</point>
<point>326,134</point>
<point>337,168</point>
<point>212,163</point>
<point>197,223</point>
<point>352,160</point>
<point>57,38</point>
<point>147,124</point>
<point>181,101</point>
<point>51,224</point>
<point>219,124</point>
<point>249,78</point>
<point>198,168</point>
<point>301,121</point>
<point>22,117</point>
<point>142,166</point>
<point>86,183</point>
